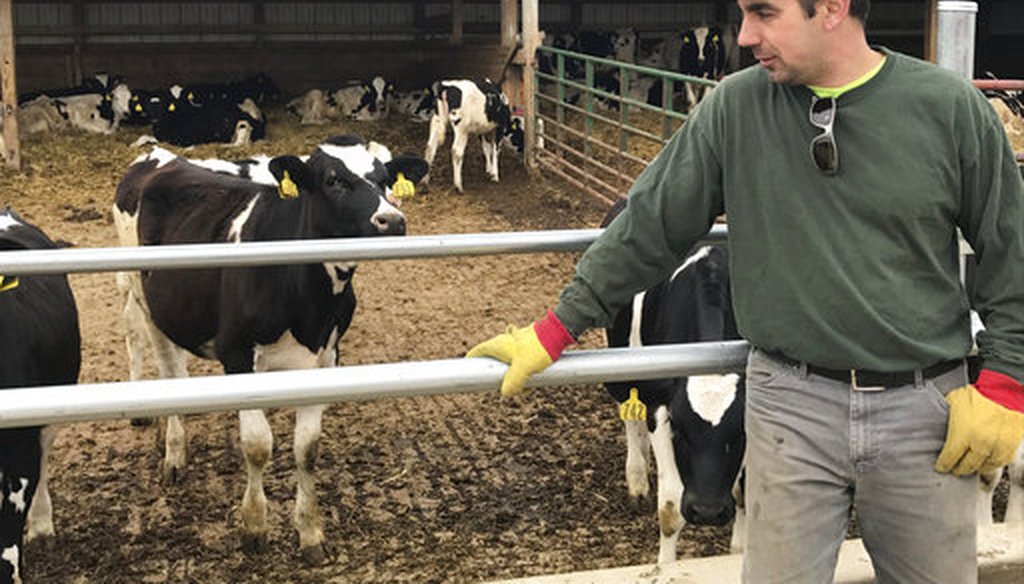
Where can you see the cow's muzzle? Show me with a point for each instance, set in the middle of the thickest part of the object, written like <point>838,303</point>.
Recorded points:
<point>389,223</point>
<point>703,512</point>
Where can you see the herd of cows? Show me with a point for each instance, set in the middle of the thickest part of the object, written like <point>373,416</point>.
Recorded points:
<point>293,316</point>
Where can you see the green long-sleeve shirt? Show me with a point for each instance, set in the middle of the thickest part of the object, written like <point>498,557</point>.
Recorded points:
<point>855,270</point>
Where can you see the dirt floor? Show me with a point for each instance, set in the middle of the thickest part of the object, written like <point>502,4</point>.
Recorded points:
<point>464,488</point>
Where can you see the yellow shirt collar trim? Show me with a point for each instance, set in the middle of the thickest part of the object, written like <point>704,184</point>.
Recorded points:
<point>837,91</point>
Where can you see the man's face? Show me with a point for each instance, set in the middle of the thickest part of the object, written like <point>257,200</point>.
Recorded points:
<point>783,39</point>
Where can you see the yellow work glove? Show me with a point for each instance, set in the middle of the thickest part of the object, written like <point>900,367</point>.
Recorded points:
<point>527,350</point>
<point>986,425</point>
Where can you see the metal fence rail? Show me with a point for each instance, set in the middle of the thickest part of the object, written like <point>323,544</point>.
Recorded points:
<point>128,399</point>
<point>217,255</point>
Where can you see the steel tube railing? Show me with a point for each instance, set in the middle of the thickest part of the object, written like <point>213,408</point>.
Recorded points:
<point>131,399</point>
<point>217,255</point>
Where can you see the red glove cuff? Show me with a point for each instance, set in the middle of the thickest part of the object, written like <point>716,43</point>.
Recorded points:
<point>552,335</point>
<point>1002,389</point>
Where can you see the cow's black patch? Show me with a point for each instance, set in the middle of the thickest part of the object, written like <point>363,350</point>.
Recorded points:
<point>345,140</point>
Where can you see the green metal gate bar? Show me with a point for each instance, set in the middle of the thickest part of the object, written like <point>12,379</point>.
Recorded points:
<point>601,150</point>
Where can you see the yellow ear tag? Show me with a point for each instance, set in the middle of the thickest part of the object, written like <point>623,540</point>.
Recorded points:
<point>138,107</point>
<point>8,283</point>
<point>171,108</point>
<point>191,97</point>
<point>403,187</point>
<point>633,409</point>
<point>714,39</point>
<point>686,40</point>
<point>287,189</point>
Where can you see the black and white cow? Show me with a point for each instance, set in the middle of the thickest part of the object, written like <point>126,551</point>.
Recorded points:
<point>98,105</point>
<point>185,121</point>
<point>472,108</point>
<point>41,346</point>
<point>694,425</point>
<point>418,104</point>
<point>365,102</point>
<point>253,318</point>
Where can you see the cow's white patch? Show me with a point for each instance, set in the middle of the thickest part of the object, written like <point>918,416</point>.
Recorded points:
<point>285,353</point>
<point>11,556</point>
<point>340,274</point>
<point>235,233</point>
<point>379,151</point>
<point>711,395</point>
<point>387,208</point>
<point>356,158</point>
<point>696,257</point>
<point>635,323</point>
<point>216,165</point>
<point>7,221</point>
<point>160,155</point>
<point>17,498</point>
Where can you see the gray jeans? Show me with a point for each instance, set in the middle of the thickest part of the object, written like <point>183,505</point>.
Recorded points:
<point>815,447</point>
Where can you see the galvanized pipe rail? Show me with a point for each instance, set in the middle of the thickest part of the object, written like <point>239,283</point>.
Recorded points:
<point>265,253</point>
<point>59,404</point>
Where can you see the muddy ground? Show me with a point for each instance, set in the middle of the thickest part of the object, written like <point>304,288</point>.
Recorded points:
<point>464,488</point>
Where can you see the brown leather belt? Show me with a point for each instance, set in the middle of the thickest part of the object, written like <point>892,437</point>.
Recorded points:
<point>865,378</point>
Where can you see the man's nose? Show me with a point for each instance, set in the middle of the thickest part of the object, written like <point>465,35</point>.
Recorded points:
<point>747,36</point>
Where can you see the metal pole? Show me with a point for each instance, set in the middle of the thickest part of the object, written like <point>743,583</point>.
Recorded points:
<point>57,404</point>
<point>955,48</point>
<point>218,255</point>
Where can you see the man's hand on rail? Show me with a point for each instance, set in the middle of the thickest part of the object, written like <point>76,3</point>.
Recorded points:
<point>527,350</point>
<point>986,425</point>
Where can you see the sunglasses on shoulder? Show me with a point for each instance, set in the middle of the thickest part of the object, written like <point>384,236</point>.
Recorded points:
<point>824,151</point>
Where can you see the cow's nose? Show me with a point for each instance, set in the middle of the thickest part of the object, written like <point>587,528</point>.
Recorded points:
<point>708,512</point>
<point>389,223</point>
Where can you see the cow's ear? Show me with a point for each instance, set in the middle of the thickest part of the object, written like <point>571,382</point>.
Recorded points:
<point>292,175</point>
<point>412,166</point>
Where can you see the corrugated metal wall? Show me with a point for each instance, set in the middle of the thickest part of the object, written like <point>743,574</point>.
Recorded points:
<point>315,41</point>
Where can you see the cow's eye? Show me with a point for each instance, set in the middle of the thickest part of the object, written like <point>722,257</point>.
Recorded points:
<point>331,179</point>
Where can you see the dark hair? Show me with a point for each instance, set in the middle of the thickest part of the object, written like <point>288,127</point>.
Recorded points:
<point>858,9</point>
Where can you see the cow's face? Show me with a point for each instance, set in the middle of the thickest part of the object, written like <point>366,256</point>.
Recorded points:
<point>709,441</point>
<point>348,189</point>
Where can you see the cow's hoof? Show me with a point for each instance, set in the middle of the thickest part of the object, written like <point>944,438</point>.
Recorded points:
<point>314,555</point>
<point>640,503</point>
<point>143,422</point>
<point>170,474</point>
<point>254,543</point>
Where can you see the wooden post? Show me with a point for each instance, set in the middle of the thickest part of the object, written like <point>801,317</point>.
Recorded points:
<point>531,38</point>
<point>77,41</point>
<point>12,148</point>
<point>931,27</point>
<point>456,38</point>
<point>509,23</point>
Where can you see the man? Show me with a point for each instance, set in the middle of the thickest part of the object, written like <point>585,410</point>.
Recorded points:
<point>845,171</point>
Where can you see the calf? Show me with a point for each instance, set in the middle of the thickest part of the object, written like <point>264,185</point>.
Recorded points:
<point>472,109</point>
<point>41,346</point>
<point>253,318</point>
<point>185,121</point>
<point>695,423</point>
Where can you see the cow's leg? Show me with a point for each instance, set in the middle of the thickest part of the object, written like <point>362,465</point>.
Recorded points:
<point>987,482</point>
<point>307,516</point>
<point>438,129</point>
<point>638,446</point>
<point>257,446</point>
<point>40,513</point>
<point>135,321</point>
<point>458,153</point>
<point>738,540</point>
<point>670,487</point>
<point>170,363</point>
<point>490,148</point>
<point>1015,500</point>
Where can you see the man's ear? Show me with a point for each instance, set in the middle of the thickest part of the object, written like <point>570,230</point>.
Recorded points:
<point>292,175</point>
<point>833,12</point>
<point>412,166</point>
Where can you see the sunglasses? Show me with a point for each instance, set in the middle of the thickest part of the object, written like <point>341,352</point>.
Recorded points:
<point>824,151</point>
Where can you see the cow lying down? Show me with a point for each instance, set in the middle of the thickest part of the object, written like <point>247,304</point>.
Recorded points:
<point>253,319</point>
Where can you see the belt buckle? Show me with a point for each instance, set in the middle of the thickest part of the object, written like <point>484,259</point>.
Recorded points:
<point>857,387</point>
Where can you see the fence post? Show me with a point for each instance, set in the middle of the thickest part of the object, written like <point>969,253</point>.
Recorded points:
<point>956,24</point>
